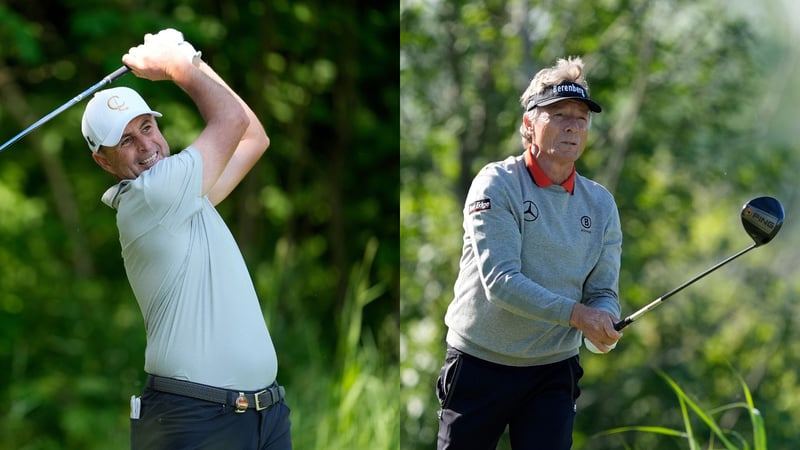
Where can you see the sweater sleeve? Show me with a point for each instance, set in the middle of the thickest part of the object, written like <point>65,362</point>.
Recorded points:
<point>602,284</point>
<point>493,229</point>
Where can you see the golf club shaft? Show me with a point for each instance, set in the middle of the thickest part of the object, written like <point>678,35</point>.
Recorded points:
<point>630,319</point>
<point>110,78</point>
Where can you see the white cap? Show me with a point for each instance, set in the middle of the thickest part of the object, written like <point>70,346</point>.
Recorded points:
<point>108,113</point>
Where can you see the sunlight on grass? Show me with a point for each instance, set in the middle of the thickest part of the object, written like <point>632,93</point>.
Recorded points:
<point>354,402</point>
<point>730,439</point>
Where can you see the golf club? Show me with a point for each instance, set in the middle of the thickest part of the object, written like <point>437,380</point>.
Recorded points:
<point>762,218</point>
<point>110,78</point>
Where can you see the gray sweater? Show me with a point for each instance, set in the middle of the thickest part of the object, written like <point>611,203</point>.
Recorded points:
<point>529,254</point>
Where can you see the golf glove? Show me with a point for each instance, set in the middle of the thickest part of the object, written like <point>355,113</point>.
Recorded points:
<point>591,347</point>
<point>171,36</point>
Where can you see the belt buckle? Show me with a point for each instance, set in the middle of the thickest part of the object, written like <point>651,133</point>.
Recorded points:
<point>241,403</point>
<point>259,406</point>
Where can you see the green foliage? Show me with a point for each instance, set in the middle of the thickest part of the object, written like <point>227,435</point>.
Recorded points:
<point>320,79</point>
<point>731,439</point>
<point>361,391</point>
<point>697,98</point>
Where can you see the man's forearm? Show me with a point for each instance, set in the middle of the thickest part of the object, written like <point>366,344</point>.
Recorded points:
<point>213,98</point>
<point>254,130</point>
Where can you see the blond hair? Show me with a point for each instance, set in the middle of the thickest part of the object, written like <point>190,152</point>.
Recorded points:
<point>565,70</point>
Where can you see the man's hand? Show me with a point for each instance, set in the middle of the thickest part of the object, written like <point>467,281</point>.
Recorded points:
<point>171,36</point>
<point>233,139</point>
<point>597,326</point>
<point>161,56</point>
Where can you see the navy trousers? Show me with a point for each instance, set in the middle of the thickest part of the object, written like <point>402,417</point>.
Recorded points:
<point>480,400</point>
<point>174,422</point>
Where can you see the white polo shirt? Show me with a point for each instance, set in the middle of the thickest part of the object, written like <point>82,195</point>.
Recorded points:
<point>201,313</point>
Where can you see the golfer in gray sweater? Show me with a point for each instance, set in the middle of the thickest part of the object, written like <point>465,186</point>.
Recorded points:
<point>539,270</point>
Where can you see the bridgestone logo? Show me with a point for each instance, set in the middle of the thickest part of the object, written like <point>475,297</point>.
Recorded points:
<point>480,205</point>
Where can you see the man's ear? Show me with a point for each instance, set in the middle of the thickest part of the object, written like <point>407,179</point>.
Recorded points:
<point>102,161</point>
<point>527,122</point>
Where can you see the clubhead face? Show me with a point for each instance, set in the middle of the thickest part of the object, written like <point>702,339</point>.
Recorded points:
<point>762,218</point>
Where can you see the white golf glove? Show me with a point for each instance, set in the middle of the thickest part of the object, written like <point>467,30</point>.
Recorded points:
<point>591,347</point>
<point>171,36</point>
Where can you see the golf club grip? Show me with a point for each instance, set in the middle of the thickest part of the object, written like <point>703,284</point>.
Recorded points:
<point>623,323</point>
<point>113,76</point>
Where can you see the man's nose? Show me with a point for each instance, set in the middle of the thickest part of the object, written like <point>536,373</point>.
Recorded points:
<point>141,143</point>
<point>573,124</point>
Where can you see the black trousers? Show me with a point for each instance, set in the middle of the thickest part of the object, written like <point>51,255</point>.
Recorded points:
<point>174,422</point>
<point>480,399</point>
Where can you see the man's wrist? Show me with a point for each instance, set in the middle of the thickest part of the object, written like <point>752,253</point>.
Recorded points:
<point>193,55</point>
<point>575,318</point>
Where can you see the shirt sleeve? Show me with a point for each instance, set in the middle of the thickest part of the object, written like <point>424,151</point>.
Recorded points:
<point>172,189</point>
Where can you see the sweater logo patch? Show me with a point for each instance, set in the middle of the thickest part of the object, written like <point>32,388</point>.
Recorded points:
<point>480,205</point>
<point>531,211</point>
<point>586,223</point>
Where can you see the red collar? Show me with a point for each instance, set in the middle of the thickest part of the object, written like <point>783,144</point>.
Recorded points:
<point>541,179</point>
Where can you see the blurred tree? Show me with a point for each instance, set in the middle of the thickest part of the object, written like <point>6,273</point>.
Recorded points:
<point>321,80</point>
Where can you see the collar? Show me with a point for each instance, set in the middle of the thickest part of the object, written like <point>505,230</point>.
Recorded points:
<point>541,179</point>
<point>111,196</point>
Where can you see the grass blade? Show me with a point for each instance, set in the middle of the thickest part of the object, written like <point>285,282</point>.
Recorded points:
<point>759,433</point>
<point>645,429</point>
<point>711,423</point>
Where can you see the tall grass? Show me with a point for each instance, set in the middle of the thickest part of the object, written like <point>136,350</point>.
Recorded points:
<point>729,439</point>
<point>353,405</point>
<point>344,401</point>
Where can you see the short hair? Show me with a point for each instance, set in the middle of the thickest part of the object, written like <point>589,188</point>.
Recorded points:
<point>565,70</point>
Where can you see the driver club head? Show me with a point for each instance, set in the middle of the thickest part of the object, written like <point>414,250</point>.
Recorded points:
<point>762,218</point>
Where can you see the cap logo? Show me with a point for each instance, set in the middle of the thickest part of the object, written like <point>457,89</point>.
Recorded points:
<point>569,88</point>
<point>563,91</point>
<point>114,102</point>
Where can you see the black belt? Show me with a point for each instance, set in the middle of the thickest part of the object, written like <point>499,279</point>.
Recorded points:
<point>240,400</point>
